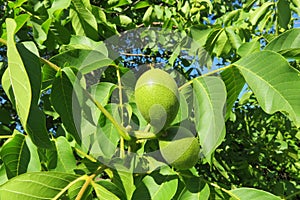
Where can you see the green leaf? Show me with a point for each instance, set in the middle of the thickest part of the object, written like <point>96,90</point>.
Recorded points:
<point>3,176</point>
<point>58,5</point>
<point>65,102</point>
<point>251,193</point>
<point>84,60</point>
<point>124,181</point>
<point>183,111</point>
<point>221,44</point>
<point>200,35</point>
<point>75,188</point>
<point>34,163</point>
<point>83,21</point>
<point>140,4</point>
<point>156,186</point>
<point>147,15</point>
<point>5,130</point>
<point>234,83</point>
<point>231,16</point>
<point>83,42</point>
<point>39,34</point>
<point>287,44</point>
<point>269,75</point>
<point>37,131</point>
<point>107,134</point>
<point>57,33</point>
<point>36,185</point>
<point>259,12</point>
<point>123,20</point>
<point>195,188</point>
<point>107,190</point>
<point>284,13</point>
<point>209,102</point>
<point>21,20</point>
<point>102,92</point>
<point>295,6</point>
<point>29,55</point>
<point>249,47</point>
<point>66,161</point>
<point>17,74</point>
<point>31,70</point>
<point>233,38</point>
<point>15,155</point>
<point>6,85</point>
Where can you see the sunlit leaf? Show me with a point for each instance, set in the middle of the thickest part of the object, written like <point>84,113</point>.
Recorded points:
<point>62,99</point>
<point>124,181</point>
<point>18,77</point>
<point>259,12</point>
<point>273,81</point>
<point>58,5</point>
<point>156,186</point>
<point>65,159</point>
<point>195,189</point>
<point>287,44</point>
<point>234,83</point>
<point>251,193</point>
<point>209,102</point>
<point>83,21</point>
<point>84,60</point>
<point>108,190</point>
<point>234,39</point>
<point>15,155</point>
<point>249,47</point>
<point>36,185</point>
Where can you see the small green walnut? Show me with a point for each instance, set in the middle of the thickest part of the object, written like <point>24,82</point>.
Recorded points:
<point>180,148</point>
<point>157,98</point>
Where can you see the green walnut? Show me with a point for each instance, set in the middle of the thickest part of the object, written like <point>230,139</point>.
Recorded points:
<point>179,148</point>
<point>157,98</point>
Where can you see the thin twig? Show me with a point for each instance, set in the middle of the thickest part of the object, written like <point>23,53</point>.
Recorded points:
<point>5,136</point>
<point>85,155</point>
<point>3,41</point>
<point>68,186</point>
<point>135,54</point>
<point>85,185</point>
<point>50,64</point>
<point>88,181</point>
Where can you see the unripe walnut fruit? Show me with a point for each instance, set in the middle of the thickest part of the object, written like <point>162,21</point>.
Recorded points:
<point>157,98</point>
<point>180,148</point>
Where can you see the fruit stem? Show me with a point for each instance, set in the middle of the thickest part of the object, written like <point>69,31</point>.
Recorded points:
<point>122,146</point>
<point>50,64</point>
<point>204,75</point>
<point>85,155</point>
<point>142,135</point>
<point>224,190</point>
<point>121,130</point>
<point>147,128</point>
<point>120,95</point>
<point>5,136</point>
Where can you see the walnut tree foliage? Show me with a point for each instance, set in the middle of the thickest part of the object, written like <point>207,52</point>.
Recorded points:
<point>66,98</point>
